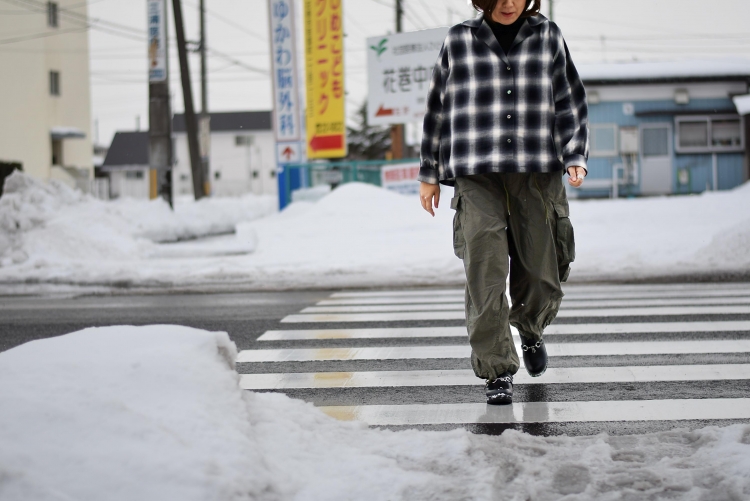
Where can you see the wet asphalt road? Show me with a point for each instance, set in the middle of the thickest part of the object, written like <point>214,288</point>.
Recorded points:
<point>245,316</point>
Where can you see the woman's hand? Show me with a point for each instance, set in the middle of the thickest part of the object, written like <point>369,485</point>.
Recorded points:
<point>576,176</point>
<point>427,192</point>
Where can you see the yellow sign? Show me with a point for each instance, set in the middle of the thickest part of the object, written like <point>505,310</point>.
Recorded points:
<point>324,71</point>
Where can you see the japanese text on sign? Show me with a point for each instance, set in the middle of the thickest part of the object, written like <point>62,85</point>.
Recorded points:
<point>399,68</point>
<point>284,69</point>
<point>324,67</point>
<point>157,29</point>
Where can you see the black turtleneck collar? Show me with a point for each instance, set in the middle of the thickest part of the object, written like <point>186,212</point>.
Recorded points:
<point>505,34</point>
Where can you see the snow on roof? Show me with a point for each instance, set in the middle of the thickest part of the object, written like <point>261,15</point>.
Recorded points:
<point>666,70</point>
<point>743,104</point>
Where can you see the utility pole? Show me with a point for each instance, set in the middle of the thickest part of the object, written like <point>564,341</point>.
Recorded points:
<point>551,10</point>
<point>205,118</point>
<point>397,131</point>
<point>160,155</point>
<point>191,127</point>
<point>399,15</point>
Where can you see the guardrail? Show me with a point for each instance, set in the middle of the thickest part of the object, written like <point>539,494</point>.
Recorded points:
<point>311,174</point>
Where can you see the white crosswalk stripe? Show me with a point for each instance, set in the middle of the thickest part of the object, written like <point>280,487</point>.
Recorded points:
<point>566,305</point>
<point>638,304</point>
<point>464,351</point>
<point>545,412</point>
<point>376,379</point>
<point>459,314</point>
<point>458,296</point>
<point>555,329</point>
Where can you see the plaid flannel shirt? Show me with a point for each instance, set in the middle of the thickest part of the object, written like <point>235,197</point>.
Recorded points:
<point>492,112</point>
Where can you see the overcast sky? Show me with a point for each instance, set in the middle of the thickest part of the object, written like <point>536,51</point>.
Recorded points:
<point>596,30</point>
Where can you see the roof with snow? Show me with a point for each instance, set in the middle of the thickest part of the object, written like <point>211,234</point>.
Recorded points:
<point>665,72</point>
<point>128,149</point>
<point>231,121</point>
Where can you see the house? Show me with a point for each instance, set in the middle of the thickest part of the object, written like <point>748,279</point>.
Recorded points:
<point>242,158</point>
<point>242,154</point>
<point>126,166</point>
<point>665,128</point>
<point>45,91</point>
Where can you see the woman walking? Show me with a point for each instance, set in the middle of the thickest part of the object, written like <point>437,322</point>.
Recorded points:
<point>506,118</point>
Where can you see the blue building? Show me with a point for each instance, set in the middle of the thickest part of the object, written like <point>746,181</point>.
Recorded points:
<point>665,128</point>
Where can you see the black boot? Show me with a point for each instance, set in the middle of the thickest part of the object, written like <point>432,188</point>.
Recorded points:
<point>499,391</point>
<point>534,356</point>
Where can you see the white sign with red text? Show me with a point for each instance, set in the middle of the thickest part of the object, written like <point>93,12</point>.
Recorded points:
<point>401,178</point>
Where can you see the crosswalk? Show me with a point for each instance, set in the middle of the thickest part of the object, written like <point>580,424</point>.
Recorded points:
<point>618,354</point>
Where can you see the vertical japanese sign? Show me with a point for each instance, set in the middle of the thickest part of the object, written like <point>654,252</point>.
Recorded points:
<point>324,67</point>
<point>157,36</point>
<point>284,67</point>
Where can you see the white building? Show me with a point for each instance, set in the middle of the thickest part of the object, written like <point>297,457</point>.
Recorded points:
<point>242,158</point>
<point>242,154</point>
<point>44,90</point>
<point>126,165</point>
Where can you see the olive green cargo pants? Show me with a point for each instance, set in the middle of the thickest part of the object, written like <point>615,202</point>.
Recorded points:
<point>523,217</point>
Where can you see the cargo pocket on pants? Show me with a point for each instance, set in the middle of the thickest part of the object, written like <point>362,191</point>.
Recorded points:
<point>565,241</point>
<point>459,242</point>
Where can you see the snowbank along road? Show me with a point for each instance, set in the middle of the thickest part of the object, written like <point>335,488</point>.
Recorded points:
<point>623,359</point>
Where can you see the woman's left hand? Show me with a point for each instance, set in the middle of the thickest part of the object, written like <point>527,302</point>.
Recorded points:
<point>576,176</point>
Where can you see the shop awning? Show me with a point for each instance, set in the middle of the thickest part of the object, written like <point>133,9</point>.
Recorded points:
<point>62,132</point>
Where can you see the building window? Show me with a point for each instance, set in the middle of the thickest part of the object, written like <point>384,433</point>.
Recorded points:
<point>243,140</point>
<point>134,174</point>
<point>217,175</point>
<point>603,140</point>
<point>706,134</point>
<point>52,14</point>
<point>54,83</point>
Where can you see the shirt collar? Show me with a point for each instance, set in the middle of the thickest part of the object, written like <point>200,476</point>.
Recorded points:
<point>484,32</point>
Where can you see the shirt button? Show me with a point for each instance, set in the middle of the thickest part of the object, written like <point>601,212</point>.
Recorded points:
<point>508,116</point>
<point>509,140</point>
<point>508,68</point>
<point>509,92</point>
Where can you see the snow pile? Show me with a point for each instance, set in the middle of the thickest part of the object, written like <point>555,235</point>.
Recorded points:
<point>663,236</point>
<point>57,231</point>
<point>156,413</point>
<point>359,235</point>
<point>356,236</point>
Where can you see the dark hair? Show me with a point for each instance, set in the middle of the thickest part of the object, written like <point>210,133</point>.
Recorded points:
<point>487,6</point>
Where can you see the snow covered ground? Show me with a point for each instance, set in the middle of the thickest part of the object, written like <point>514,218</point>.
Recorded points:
<point>357,236</point>
<point>156,413</point>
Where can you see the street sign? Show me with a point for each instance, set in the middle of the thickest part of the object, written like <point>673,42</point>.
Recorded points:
<point>284,70</point>
<point>288,152</point>
<point>401,178</point>
<point>324,67</point>
<point>399,69</point>
<point>157,41</point>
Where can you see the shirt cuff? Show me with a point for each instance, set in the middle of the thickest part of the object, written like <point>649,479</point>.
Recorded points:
<point>576,161</point>
<point>428,175</point>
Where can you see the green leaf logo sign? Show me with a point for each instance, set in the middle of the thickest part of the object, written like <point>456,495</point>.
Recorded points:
<point>380,48</point>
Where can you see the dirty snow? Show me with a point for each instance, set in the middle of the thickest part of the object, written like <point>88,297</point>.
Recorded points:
<point>356,236</point>
<point>156,413</point>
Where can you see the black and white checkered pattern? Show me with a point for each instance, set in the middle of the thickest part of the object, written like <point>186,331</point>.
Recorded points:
<point>488,112</point>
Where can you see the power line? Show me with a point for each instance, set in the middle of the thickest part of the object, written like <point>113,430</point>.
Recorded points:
<point>429,12</point>
<point>237,62</point>
<point>229,22</point>
<point>82,19</point>
<point>40,35</point>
